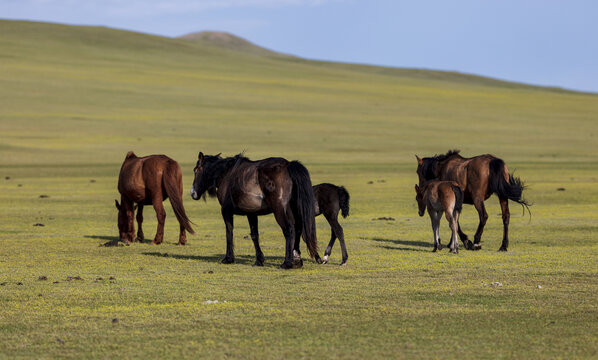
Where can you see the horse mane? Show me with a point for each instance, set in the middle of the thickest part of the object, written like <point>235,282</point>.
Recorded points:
<point>430,164</point>
<point>218,166</point>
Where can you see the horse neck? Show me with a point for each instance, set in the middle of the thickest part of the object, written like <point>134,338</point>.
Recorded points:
<point>222,168</point>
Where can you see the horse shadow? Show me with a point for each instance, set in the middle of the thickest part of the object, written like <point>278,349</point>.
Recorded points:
<point>270,261</point>
<point>402,242</point>
<point>102,237</point>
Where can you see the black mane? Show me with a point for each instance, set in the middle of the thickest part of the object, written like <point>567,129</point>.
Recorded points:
<point>430,164</point>
<point>216,167</point>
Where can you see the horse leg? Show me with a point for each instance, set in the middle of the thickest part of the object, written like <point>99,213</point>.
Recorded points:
<point>506,216</point>
<point>454,245</point>
<point>435,219</point>
<point>139,221</point>
<point>285,219</point>
<point>337,231</point>
<point>297,247</point>
<point>161,216</point>
<point>259,255</point>
<point>129,209</point>
<point>298,234</point>
<point>329,247</point>
<point>182,235</point>
<point>229,258</point>
<point>479,206</point>
<point>463,236</point>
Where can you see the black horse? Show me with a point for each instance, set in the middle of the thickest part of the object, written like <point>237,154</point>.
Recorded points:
<point>330,200</point>
<point>253,188</point>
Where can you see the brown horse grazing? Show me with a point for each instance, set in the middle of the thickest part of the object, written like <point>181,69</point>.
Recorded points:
<point>479,177</point>
<point>438,197</point>
<point>330,199</point>
<point>150,180</point>
<point>254,188</point>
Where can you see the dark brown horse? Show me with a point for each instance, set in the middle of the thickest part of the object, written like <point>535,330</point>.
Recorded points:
<point>441,197</point>
<point>150,180</point>
<point>479,177</point>
<point>254,188</point>
<point>330,199</point>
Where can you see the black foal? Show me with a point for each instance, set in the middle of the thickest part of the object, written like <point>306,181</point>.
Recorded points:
<point>330,199</point>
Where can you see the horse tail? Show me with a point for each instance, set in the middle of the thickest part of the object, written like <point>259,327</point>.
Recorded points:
<point>343,200</point>
<point>506,185</point>
<point>172,180</point>
<point>303,195</point>
<point>458,200</point>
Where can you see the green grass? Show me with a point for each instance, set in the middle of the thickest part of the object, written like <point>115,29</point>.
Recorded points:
<point>74,100</point>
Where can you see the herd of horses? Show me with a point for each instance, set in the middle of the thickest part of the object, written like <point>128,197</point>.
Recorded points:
<point>283,188</point>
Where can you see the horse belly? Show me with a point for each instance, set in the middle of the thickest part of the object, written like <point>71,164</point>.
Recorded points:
<point>252,203</point>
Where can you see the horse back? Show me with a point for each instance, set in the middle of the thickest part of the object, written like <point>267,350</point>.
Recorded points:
<point>140,177</point>
<point>471,174</point>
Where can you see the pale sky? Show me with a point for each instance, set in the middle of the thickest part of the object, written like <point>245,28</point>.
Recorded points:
<point>543,42</point>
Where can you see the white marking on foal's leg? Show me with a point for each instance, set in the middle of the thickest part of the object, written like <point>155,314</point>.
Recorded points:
<point>325,259</point>
<point>296,255</point>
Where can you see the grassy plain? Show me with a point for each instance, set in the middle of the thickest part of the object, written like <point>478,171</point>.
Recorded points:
<point>74,100</point>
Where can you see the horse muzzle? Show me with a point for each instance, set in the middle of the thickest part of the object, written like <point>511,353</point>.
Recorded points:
<point>194,194</point>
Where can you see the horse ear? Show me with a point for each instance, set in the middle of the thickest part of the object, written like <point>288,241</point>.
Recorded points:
<point>419,161</point>
<point>200,156</point>
<point>416,188</point>
<point>117,204</point>
<point>217,155</point>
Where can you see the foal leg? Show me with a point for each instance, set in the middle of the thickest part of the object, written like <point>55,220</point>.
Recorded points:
<point>229,258</point>
<point>479,205</point>
<point>435,219</point>
<point>453,224</point>
<point>329,247</point>
<point>139,221</point>
<point>506,216</point>
<point>161,216</point>
<point>337,231</point>
<point>259,255</point>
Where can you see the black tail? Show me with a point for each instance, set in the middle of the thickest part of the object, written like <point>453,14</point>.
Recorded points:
<point>171,184</point>
<point>303,195</point>
<point>343,200</point>
<point>512,190</point>
<point>458,200</point>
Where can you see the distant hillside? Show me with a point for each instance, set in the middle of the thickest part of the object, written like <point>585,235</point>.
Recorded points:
<point>94,93</point>
<point>230,42</point>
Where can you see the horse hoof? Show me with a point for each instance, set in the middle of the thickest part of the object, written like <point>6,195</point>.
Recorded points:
<point>286,265</point>
<point>182,243</point>
<point>257,263</point>
<point>477,247</point>
<point>502,248</point>
<point>343,264</point>
<point>227,260</point>
<point>468,245</point>
<point>320,261</point>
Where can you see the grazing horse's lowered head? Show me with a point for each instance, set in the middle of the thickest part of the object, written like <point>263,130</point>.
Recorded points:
<point>126,227</point>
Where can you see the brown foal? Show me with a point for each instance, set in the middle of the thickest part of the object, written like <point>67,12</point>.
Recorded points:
<point>441,197</point>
